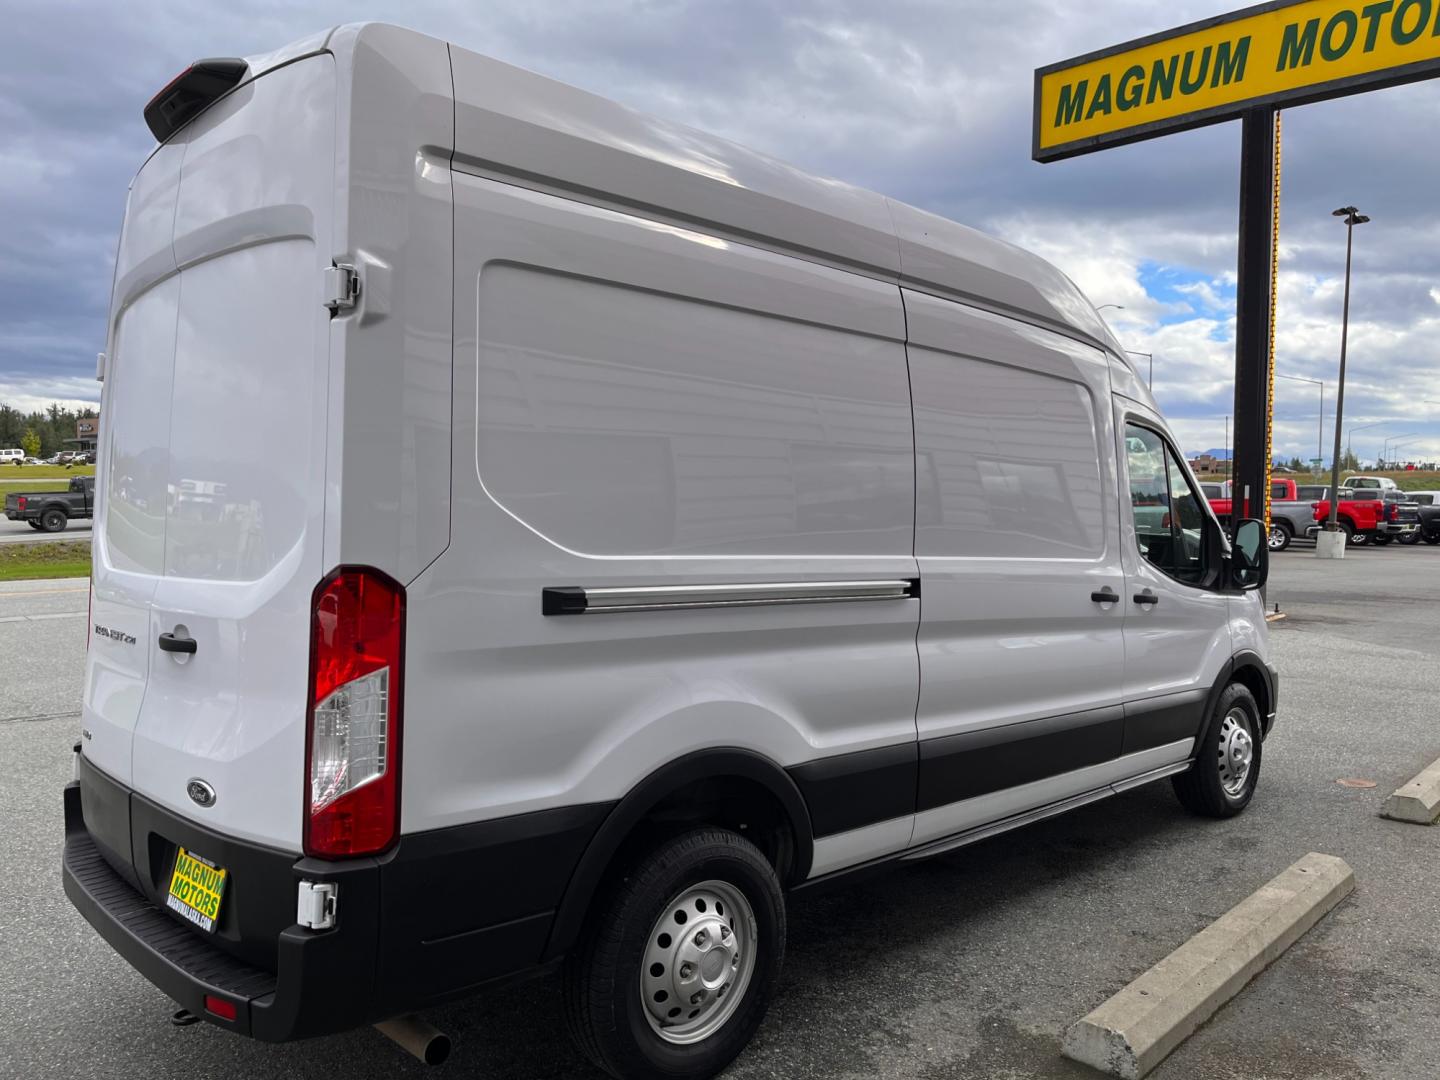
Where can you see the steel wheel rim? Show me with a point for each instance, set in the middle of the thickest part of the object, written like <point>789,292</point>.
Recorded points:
<point>695,970</point>
<point>1236,752</point>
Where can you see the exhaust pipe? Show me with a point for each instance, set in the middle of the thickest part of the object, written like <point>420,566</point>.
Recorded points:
<point>417,1038</point>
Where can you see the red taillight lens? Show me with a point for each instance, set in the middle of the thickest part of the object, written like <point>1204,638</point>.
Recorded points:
<point>21,504</point>
<point>217,1006</point>
<point>352,728</point>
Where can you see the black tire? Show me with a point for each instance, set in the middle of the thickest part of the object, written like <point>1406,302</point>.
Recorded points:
<point>53,520</point>
<point>1201,789</point>
<point>1432,538</point>
<point>1353,537</point>
<point>1382,541</point>
<point>1280,536</point>
<point>604,1011</point>
<point>1409,539</point>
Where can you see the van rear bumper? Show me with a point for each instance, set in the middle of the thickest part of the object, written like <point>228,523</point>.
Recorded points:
<point>441,915</point>
<point>322,982</point>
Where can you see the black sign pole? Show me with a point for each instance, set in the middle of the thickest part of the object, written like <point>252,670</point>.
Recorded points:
<point>1252,314</point>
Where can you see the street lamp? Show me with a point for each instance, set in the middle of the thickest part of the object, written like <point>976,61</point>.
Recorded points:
<point>1117,307</point>
<point>1350,438</point>
<point>1320,439</point>
<point>1150,379</point>
<point>1396,447</point>
<point>1352,218</point>
<point>1385,445</point>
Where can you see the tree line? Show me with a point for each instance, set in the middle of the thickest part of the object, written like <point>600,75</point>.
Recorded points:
<point>39,433</point>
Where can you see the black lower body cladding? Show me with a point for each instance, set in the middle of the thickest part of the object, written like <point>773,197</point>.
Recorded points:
<point>444,913</point>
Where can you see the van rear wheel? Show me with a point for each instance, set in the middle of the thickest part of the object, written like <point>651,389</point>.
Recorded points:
<point>677,964</point>
<point>1222,780</point>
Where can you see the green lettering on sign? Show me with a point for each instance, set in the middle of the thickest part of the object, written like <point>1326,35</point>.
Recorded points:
<point>1297,47</point>
<point>1162,80</point>
<point>1072,103</point>
<point>1351,25</point>
<point>1230,65</point>
<point>1131,89</point>
<point>1372,13</point>
<point>1101,101</point>
<point>1398,33</point>
<point>1188,83</point>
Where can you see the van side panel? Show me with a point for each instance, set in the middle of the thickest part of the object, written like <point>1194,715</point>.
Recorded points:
<point>389,462</point>
<point>640,405</point>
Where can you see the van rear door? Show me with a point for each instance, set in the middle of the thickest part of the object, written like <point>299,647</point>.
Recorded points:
<point>233,464</point>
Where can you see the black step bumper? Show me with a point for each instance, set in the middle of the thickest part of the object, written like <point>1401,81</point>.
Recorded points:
<point>506,878</point>
<point>320,982</point>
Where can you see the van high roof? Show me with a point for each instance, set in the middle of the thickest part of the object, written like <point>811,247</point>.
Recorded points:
<point>514,125</point>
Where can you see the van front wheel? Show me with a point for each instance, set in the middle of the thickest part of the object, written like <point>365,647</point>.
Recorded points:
<point>676,966</point>
<point>1222,780</point>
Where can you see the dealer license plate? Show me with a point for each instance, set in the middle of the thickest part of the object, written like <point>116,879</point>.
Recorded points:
<point>196,888</point>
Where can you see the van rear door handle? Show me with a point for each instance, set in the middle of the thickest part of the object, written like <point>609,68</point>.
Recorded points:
<point>1146,598</point>
<point>170,643</point>
<point>1106,595</point>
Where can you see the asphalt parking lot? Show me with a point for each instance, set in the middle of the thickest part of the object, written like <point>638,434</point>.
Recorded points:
<point>970,965</point>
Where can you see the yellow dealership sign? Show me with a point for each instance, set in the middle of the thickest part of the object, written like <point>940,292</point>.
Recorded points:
<point>1284,53</point>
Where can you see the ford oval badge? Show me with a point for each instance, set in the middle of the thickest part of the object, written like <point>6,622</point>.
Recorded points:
<point>201,793</point>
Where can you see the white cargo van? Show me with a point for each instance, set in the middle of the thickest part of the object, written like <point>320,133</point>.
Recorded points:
<point>594,532</point>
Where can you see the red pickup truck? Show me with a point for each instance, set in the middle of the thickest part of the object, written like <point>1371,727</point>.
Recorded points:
<point>1370,518</point>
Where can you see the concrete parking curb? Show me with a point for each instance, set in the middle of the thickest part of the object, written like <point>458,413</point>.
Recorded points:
<point>1419,800</point>
<point>1131,1033</point>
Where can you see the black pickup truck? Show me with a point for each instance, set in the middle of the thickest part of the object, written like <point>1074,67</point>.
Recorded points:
<point>51,511</point>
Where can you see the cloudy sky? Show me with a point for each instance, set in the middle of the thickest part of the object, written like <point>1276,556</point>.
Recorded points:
<point>928,101</point>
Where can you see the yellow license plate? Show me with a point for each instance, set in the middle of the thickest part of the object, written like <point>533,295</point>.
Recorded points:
<point>196,888</point>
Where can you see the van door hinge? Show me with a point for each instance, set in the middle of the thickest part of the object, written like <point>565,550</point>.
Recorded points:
<point>342,287</point>
<point>315,908</point>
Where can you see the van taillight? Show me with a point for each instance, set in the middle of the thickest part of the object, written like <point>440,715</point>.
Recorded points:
<point>352,724</point>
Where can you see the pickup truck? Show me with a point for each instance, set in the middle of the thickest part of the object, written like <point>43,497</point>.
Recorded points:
<point>1292,510</point>
<point>1428,504</point>
<point>1371,515</point>
<point>51,511</point>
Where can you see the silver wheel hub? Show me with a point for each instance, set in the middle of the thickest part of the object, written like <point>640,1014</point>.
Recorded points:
<point>697,962</point>
<point>1277,536</point>
<point>1237,752</point>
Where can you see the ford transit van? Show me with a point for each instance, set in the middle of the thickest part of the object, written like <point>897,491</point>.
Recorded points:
<point>532,534</point>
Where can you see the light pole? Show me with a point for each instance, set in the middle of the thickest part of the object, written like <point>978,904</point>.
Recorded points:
<point>1320,439</point>
<point>1350,438</point>
<point>1352,218</point>
<point>1396,447</point>
<point>1150,379</point>
<point>1385,445</point>
<point>1117,307</point>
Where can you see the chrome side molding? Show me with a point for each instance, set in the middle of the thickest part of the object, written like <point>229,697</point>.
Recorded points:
<point>578,600</point>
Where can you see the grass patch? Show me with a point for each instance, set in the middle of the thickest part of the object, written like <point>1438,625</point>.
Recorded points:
<point>11,473</point>
<point>64,558</point>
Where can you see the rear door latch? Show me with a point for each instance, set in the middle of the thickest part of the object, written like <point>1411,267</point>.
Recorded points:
<point>342,287</point>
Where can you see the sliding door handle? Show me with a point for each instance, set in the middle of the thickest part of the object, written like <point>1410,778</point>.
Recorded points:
<point>1146,598</point>
<point>1106,595</point>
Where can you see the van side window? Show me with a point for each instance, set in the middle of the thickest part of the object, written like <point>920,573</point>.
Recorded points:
<point>1169,518</point>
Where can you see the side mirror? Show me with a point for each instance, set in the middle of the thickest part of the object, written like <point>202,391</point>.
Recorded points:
<point>1249,556</point>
